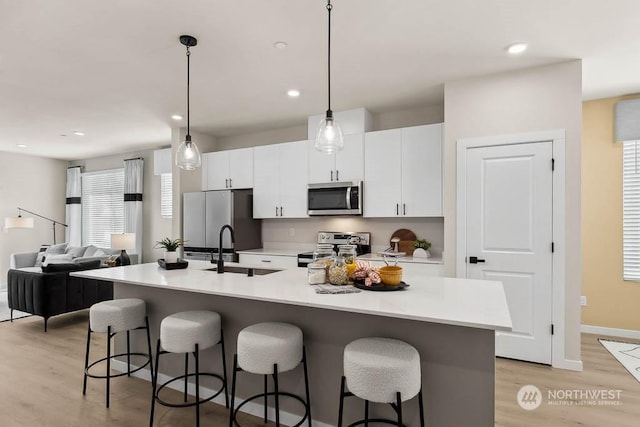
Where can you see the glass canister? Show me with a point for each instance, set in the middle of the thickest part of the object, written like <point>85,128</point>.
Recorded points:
<point>349,253</point>
<point>338,271</point>
<point>324,255</point>
<point>317,273</point>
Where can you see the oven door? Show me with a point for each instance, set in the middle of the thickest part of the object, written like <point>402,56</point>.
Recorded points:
<point>336,198</point>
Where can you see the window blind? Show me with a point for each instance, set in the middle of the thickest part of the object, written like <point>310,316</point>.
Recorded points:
<point>166,195</point>
<point>102,206</point>
<point>631,209</point>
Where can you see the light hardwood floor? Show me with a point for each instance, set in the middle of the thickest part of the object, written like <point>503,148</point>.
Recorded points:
<point>41,385</point>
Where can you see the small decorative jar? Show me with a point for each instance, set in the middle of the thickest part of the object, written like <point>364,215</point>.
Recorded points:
<point>349,253</point>
<point>317,273</point>
<point>338,271</point>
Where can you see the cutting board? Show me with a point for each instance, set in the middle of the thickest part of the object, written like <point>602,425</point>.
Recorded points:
<point>407,237</point>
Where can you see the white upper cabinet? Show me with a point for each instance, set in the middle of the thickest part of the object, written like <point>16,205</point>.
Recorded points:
<point>403,172</point>
<point>345,165</point>
<point>231,169</point>
<point>280,175</point>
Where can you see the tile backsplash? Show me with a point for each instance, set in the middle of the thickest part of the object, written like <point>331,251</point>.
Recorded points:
<point>290,231</point>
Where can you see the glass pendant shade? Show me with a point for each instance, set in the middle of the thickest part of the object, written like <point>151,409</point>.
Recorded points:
<point>329,139</point>
<point>188,156</point>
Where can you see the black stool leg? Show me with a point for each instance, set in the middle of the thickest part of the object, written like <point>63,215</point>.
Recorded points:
<point>266,389</point>
<point>341,401</point>
<point>306,383</point>
<point>146,321</point>
<point>154,384</point>
<point>86,360</point>
<point>128,354</point>
<point>224,371</point>
<point>186,372</point>
<point>366,413</point>
<point>233,390</point>
<point>276,391</point>
<point>421,403</point>
<point>108,362</point>
<point>196,355</point>
<point>399,404</point>
<point>12,314</point>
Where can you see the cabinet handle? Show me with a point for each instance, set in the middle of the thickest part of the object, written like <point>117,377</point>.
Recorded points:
<point>331,175</point>
<point>226,183</point>
<point>404,209</point>
<point>337,175</point>
<point>265,260</point>
<point>397,209</point>
<point>276,211</point>
<point>280,210</point>
<point>230,183</point>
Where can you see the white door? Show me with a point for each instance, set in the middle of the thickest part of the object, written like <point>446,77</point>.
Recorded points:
<point>350,160</point>
<point>294,170</point>
<point>422,171</point>
<point>218,170</point>
<point>382,175</point>
<point>266,188</point>
<point>509,239</point>
<point>241,168</point>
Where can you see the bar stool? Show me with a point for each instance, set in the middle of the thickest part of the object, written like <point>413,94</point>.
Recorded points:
<point>111,317</point>
<point>189,332</point>
<point>381,370</point>
<point>270,348</point>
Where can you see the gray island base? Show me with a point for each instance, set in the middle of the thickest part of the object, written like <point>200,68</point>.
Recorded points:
<point>435,315</point>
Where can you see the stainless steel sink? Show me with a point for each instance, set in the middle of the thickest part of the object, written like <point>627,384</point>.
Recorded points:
<point>245,270</point>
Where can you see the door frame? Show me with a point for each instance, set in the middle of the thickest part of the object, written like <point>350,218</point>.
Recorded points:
<point>557,138</point>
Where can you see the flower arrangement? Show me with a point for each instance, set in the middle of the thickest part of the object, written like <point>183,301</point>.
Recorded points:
<point>366,272</point>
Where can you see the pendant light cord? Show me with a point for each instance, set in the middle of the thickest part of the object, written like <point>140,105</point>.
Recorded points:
<point>188,88</point>
<point>329,7</point>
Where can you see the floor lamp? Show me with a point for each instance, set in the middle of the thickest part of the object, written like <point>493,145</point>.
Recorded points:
<point>21,222</point>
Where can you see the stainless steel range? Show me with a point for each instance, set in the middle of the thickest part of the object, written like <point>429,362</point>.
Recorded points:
<point>362,241</point>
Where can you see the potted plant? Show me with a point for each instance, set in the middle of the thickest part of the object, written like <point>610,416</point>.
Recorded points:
<point>421,248</point>
<point>170,247</point>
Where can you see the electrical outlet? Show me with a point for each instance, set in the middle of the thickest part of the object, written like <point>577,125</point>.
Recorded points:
<point>292,232</point>
<point>583,301</point>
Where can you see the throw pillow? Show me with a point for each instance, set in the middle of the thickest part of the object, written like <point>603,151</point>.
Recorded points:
<point>99,253</point>
<point>62,267</point>
<point>76,251</point>
<point>54,249</point>
<point>56,259</point>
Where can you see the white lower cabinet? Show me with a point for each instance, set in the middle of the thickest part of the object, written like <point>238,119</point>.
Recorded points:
<point>269,261</point>
<point>415,269</point>
<point>280,180</point>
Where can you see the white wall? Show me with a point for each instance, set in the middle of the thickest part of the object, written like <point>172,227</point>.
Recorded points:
<point>36,184</point>
<point>154,226</point>
<point>535,99</point>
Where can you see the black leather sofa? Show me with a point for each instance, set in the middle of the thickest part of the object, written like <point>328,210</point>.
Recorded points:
<point>54,292</point>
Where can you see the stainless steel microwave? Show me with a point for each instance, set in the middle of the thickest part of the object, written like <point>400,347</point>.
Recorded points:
<point>335,198</point>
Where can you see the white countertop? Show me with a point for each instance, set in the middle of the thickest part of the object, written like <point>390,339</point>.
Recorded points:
<point>462,302</point>
<point>412,259</point>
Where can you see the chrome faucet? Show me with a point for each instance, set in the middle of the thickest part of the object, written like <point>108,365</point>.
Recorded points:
<point>220,264</point>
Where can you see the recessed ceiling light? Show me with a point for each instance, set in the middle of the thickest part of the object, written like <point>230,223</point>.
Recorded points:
<point>176,117</point>
<point>293,93</point>
<point>280,45</point>
<point>22,145</point>
<point>78,133</point>
<point>517,48</point>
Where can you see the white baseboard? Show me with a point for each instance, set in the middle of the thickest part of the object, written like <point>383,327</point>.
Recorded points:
<point>612,332</point>
<point>250,408</point>
<point>569,364</point>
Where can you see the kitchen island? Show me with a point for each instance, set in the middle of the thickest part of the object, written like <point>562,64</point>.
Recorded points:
<point>450,321</point>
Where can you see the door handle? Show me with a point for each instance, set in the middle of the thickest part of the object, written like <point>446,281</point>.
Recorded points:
<point>332,175</point>
<point>475,260</point>
<point>337,175</point>
<point>404,209</point>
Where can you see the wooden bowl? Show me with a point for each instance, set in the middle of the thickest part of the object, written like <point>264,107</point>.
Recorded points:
<point>391,275</point>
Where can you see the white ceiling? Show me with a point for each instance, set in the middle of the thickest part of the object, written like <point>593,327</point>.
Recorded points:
<point>115,69</point>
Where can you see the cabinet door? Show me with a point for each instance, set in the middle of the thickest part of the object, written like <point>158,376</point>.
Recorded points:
<point>218,170</point>
<point>294,170</point>
<point>422,171</point>
<point>269,261</point>
<point>241,168</point>
<point>205,171</point>
<point>382,175</point>
<point>321,165</point>
<point>350,161</point>
<point>266,173</point>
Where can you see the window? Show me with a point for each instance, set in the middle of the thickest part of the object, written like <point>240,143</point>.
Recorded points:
<point>631,209</point>
<point>102,206</point>
<point>166,195</point>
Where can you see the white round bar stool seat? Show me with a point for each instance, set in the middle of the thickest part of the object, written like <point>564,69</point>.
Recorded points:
<point>180,332</point>
<point>121,314</point>
<point>376,369</point>
<point>262,345</point>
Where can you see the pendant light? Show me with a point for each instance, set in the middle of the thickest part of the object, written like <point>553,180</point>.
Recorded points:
<point>188,156</point>
<point>329,138</point>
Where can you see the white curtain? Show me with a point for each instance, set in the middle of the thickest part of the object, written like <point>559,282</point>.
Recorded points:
<point>73,232</point>
<point>133,171</point>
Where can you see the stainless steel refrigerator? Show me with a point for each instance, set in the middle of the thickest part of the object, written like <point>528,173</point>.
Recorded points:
<point>204,213</point>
